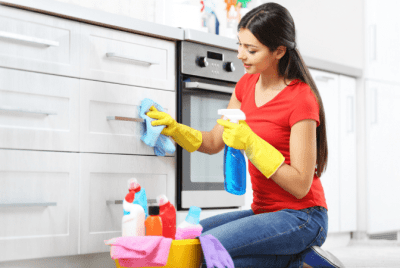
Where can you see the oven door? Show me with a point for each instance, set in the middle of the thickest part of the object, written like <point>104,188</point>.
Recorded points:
<point>200,176</point>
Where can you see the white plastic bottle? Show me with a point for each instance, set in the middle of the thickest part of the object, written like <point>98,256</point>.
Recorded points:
<point>190,228</point>
<point>134,216</point>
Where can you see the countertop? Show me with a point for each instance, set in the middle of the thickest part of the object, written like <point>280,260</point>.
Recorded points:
<point>128,24</point>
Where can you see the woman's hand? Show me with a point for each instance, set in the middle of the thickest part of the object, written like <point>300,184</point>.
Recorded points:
<point>235,135</point>
<point>162,119</point>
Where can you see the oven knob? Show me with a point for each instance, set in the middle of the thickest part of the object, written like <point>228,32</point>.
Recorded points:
<point>229,67</point>
<point>202,61</point>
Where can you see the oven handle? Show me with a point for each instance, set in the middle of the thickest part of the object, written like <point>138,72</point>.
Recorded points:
<point>208,87</point>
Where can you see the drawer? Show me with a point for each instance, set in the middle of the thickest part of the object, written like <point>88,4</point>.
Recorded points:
<point>104,185</point>
<point>37,42</point>
<point>99,100</point>
<point>38,111</point>
<point>127,58</point>
<point>38,204</point>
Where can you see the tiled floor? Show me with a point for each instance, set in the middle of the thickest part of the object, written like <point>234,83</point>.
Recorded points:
<point>371,253</point>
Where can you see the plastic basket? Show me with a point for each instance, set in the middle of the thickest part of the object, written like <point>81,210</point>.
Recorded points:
<point>185,253</point>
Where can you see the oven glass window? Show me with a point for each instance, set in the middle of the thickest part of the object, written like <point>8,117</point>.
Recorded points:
<point>203,109</point>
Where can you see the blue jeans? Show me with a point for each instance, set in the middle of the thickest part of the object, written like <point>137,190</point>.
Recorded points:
<point>275,239</point>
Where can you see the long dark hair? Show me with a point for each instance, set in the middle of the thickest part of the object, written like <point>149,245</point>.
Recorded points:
<point>273,26</point>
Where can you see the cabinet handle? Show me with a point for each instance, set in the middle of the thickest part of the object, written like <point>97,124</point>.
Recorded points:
<point>29,39</point>
<point>324,78</point>
<point>27,111</point>
<point>121,118</point>
<point>119,56</point>
<point>372,42</point>
<point>350,114</point>
<point>13,205</point>
<point>119,202</point>
<point>209,87</point>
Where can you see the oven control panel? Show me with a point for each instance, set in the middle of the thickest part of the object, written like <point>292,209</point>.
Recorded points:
<point>210,62</point>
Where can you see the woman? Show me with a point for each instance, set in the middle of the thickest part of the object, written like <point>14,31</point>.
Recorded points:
<point>284,138</point>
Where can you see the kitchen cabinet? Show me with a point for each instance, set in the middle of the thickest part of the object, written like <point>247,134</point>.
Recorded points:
<point>103,186</point>
<point>39,43</point>
<point>382,147</point>
<point>39,206</point>
<point>339,180</point>
<point>382,40</point>
<point>38,111</point>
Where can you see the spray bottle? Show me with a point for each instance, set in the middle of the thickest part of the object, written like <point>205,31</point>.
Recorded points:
<point>234,162</point>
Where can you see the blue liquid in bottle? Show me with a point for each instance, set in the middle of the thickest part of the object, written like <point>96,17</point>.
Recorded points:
<point>234,171</point>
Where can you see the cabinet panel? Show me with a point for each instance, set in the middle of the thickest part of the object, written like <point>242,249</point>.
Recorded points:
<point>383,169</point>
<point>100,100</point>
<point>328,86</point>
<point>38,111</point>
<point>347,160</point>
<point>104,180</point>
<point>127,58</point>
<point>38,204</point>
<point>36,42</point>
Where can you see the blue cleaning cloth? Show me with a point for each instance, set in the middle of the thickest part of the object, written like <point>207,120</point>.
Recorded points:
<point>151,135</point>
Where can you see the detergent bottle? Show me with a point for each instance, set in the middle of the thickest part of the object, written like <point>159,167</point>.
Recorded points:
<point>234,162</point>
<point>153,222</point>
<point>168,216</point>
<point>140,196</point>
<point>133,218</point>
<point>190,228</point>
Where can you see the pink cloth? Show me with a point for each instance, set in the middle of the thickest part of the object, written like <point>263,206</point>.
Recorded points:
<point>189,232</point>
<point>140,251</point>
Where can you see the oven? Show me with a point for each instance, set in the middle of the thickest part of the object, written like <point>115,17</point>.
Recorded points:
<point>207,76</point>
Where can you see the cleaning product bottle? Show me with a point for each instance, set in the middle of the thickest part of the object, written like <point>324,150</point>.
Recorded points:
<point>168,216</point>
<point>190,228</point>
<point>133,219</point>
<point>234,162</point>
<point>140,196</point>
<point>153,222</point>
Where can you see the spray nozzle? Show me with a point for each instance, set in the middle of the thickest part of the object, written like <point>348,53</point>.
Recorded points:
<point>234,115</point>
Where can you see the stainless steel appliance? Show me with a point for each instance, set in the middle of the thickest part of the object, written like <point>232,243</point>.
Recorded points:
<point>207,76</point>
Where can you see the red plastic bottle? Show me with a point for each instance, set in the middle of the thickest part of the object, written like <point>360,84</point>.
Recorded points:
<point>153,222</point>
<point>168,217</point>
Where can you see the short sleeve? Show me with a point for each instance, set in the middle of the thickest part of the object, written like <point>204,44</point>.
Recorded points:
<point>239,88</point>
<point>305,106</point>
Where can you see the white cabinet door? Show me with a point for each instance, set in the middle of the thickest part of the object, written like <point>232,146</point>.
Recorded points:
<point>38,204</point>
<point>126,58</point>
<point>104,185</point>
<point>37,42</point>
<point>382,40</point>
<point>38,111</point>
<point>328,86</point>
<point>383,147</point>
<point>100,100</point>
<point>347,160</point>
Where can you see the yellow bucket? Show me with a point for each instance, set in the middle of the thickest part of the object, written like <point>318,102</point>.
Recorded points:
<point>185,253</point>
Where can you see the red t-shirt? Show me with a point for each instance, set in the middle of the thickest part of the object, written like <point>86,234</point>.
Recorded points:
<point>272,122</point>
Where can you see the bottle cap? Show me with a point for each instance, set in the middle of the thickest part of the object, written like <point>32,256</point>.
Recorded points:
<point>162,199</point>
<point>134,185</point>
<point>193,216</point>
<point>154,210</point>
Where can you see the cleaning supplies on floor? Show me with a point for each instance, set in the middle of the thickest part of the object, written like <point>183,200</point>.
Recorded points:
<point>134,216</point>
<point>190,228</point>
<point>234,161</point>
<point>140,251</point>
<point>168,216</point>
<point>140,196</point>
<point>151,135</point>
<point>153,222</point>
<point>215,253</point>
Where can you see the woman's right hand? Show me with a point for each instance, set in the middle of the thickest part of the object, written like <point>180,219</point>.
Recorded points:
<point>163,119</point>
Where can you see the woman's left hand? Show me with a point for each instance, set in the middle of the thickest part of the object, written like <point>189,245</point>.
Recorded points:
<point>236,135</point>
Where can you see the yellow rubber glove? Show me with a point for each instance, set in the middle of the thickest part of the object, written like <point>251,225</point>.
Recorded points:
<point>263,155</point>
<point>188,138</point>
